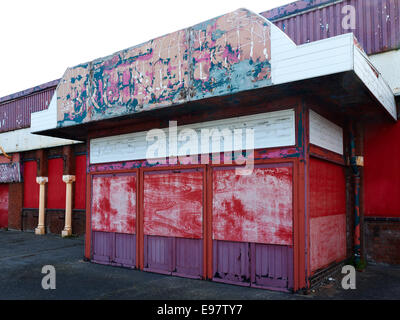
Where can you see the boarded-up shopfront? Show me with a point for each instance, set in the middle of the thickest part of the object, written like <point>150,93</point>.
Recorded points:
<point>262,202</point>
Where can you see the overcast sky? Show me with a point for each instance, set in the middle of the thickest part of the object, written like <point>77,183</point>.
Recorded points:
<point>40,39</point>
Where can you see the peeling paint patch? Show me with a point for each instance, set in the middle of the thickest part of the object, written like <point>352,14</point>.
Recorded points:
<point>254,208</point>
<point>173,204</point>
<point>327,240</point>
<point>114,203</point>
<point>327,213</point>
<point>221,56</point>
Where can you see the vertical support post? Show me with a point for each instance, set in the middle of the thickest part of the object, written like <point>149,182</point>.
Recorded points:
<point>68,179</point>
<point>42,182</point>
<point>356,178</point>
<point>300,219</point>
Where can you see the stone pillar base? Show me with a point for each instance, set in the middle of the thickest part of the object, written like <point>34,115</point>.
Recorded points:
<point>40,231</point>
<point>66,233</point>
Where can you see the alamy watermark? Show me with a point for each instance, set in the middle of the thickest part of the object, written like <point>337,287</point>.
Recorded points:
<point>349,280</point>
<point>195,146</point>
<point>49,280</point>
<point>349,19</point>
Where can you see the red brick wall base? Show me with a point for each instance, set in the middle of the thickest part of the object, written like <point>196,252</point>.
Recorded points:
<point>382,240</point>
<point>54,220</point>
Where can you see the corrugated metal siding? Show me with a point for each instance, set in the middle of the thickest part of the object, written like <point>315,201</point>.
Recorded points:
<point>377,23</point>
<point>253,264</point>
<point>171,255</point>
<point>16,114</point>
<point>114,248</point>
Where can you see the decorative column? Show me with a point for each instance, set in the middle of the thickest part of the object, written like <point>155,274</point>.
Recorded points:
<point>42,182</point>
<point>68,179</point>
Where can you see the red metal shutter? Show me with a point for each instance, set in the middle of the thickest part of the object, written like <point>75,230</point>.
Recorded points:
<point>173,221</point>
<point>80,182</point>
<point>31,188</point>
<point>3,205</point>
<point>56,186</point>
<point>113,219</point>
<point>252,226</point>
<point>327,213</point>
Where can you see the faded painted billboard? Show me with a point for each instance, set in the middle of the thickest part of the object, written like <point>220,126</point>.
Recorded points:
<point>223,55</point>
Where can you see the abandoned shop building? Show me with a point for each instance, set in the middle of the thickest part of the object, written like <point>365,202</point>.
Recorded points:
<point>28,157</point>
<point>224,151</point>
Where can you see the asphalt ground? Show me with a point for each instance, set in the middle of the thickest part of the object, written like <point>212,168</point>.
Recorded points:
<point>23,255</point>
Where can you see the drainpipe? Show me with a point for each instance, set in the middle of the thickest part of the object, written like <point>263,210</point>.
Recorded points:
<point>355,163</point>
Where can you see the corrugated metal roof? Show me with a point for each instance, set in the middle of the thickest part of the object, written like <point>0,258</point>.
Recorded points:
<point>377,22</point>
<point>16,109</point>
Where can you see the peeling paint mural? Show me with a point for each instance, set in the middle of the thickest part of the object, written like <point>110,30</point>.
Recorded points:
<point>173,204</point>
<point>223,55</point>
<point>253,208</point>
<point>114,203</point>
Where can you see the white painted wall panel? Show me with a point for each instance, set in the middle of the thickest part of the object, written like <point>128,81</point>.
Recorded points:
<point>272,129</point>
<point>45,119</point>
<point>314,59</point>
<point>24,140</point>
<point>374,81</point>
<point>388,64</point>
<point>325,134</point>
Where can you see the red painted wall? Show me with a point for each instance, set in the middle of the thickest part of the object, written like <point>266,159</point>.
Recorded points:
<point>56,186</point>
<point>327,213</point>
<point>382,170</point>
<point>80,182</point>
<point>114,203</point>
<point>254,208</point>
<point>31,188</point>
<point>3,205</point>
<point>173,204</point>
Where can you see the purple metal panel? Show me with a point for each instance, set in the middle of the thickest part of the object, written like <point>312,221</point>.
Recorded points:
<point>125,249</point>
<point>158,254</point>
<point>272,265</point>
<point>231,262</point>
<point>253,264</point>
<point>114,248</point>
<point>102,247</point>
<point>377,22</point>
<point>188,260</point>
<point>176,256</point>
<point>15,113</point>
